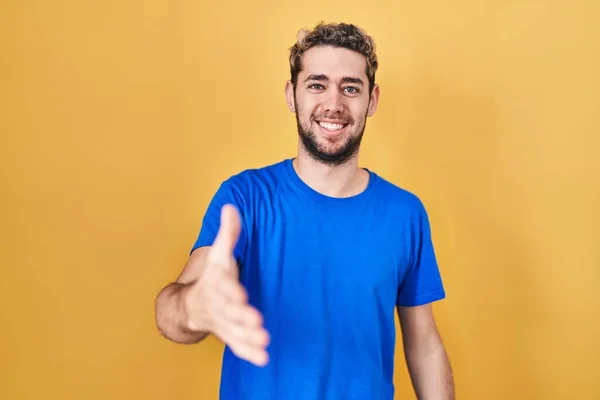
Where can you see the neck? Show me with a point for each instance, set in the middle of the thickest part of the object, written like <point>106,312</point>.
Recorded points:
<point>343,180</point>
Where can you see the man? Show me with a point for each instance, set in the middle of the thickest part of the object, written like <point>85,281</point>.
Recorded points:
<point>300,266</point>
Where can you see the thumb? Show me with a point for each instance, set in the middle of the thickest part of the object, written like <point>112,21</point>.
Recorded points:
<point>228,235</point>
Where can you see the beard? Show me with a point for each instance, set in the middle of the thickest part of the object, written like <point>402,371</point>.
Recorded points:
<point>319,152</point>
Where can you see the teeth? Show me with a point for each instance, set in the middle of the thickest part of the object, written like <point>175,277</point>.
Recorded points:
<point>331,127</point>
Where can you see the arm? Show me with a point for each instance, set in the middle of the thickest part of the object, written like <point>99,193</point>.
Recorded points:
<point>181,315</point>
<point>172,314</point>
<point>425,355</point>
<point>209,298</point>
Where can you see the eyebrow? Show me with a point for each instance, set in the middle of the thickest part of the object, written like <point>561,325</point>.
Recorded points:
<point>323,77</point>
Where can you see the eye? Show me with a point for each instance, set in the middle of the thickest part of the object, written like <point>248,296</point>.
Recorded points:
<point>316,86</point>
<point>351,89</point>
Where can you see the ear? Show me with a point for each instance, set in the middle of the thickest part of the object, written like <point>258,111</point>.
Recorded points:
<point>373,101</point>
<point>289,96</point>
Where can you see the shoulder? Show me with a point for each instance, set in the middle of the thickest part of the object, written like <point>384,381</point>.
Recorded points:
<point>397,197</point>
<point>251,181</point>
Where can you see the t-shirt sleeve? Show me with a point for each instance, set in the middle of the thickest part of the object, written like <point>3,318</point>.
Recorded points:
<point>422,282</point>
<point>227,193</point>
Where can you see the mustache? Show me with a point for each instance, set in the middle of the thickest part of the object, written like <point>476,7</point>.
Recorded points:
<point>344,119</point>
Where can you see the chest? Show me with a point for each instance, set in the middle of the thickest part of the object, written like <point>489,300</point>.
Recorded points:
<point>333,255</point>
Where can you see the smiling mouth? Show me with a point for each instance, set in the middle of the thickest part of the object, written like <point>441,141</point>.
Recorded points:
<point>332,127</point>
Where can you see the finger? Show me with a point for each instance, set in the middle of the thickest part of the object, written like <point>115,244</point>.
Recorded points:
<point>256,356</point>
<point>243,348</point>
<point>244,315</point>
<point>243,323</point>
<point>257,336</point>
<point>227,237</point>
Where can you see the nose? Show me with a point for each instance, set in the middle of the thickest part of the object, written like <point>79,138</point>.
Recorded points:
<point>334,102</point>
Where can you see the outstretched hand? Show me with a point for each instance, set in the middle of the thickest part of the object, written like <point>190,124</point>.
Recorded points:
<point>218,297</point>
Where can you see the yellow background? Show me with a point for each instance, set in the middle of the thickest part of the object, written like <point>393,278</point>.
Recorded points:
<point>120,118</point>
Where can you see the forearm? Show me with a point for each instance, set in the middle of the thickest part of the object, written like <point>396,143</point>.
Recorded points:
<point>430,370</point>
<point>172,317</point>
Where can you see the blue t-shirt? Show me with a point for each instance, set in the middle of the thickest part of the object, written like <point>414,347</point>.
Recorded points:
<point>327,274</point>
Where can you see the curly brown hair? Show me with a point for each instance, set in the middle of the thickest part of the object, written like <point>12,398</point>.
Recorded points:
<point>344,35</point>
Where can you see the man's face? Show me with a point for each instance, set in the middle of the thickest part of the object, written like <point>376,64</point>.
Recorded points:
<point>332,102</point>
